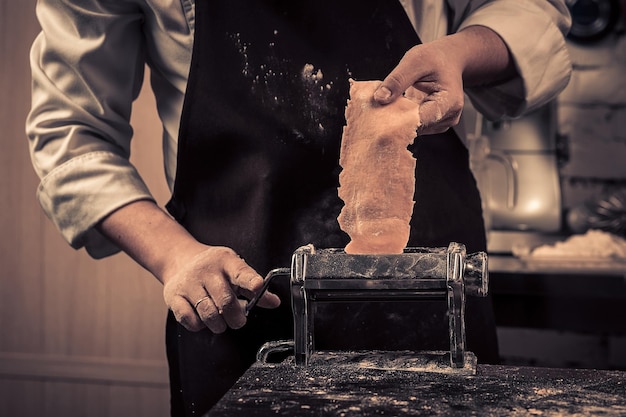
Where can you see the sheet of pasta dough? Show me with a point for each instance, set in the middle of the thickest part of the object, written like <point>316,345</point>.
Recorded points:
<point>377,181</point>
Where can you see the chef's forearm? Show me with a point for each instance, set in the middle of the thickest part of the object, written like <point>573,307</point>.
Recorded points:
<point>534,32</point>
<point>151,237</point>
<point>484,57</point>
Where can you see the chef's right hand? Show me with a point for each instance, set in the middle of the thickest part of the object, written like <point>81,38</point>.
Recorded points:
<point>205,290</point>
<point>201,284</point>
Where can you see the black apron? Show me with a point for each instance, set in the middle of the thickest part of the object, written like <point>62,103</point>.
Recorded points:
<point>258,172</point>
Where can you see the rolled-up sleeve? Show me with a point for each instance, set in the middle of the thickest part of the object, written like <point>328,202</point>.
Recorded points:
<point>534,31</point>
<point>87,68</point>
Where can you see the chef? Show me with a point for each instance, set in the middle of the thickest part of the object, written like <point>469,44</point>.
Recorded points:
<point>251,95</point>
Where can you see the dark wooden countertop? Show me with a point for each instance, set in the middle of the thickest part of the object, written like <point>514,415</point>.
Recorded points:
<point>326,389</point>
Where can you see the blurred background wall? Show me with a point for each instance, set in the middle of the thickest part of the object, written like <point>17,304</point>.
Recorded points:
<point>78,337</point>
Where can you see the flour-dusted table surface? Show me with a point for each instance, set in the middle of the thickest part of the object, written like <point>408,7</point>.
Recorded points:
<point>327,388</point>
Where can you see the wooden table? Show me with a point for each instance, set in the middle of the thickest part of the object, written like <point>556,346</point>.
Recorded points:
<point>329,389</point>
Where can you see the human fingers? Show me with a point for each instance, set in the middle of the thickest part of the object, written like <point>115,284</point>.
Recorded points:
<point>200,277</point>
<point>185,314</point>
<point>439,112</point>
<point>210,315</point>
<point>439,109</point>
<point>409,70</point>
<point>221,274</point>
<point>250,283</point>
<point>225,300</point>
<point>429,76</point>
<point>197,312</point>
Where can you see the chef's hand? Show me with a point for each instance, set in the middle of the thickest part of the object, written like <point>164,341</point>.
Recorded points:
<point>433,74</point>
<point>205,291</point>
<point>201,284</point>
<point>429,77</point>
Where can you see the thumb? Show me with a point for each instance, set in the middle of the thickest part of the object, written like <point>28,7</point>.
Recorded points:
<point>392,87</point>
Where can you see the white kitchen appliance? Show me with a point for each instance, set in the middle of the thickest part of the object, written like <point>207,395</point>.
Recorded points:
<point>518,176</point>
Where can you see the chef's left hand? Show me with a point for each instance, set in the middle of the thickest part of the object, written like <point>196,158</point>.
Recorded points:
<point>433,74</point>
<point>429,76</point>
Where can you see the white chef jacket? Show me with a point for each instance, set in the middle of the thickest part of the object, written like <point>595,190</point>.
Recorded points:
<point>88,66</point>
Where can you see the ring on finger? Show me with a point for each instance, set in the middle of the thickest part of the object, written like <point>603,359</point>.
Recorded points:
<point>195,306</point>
